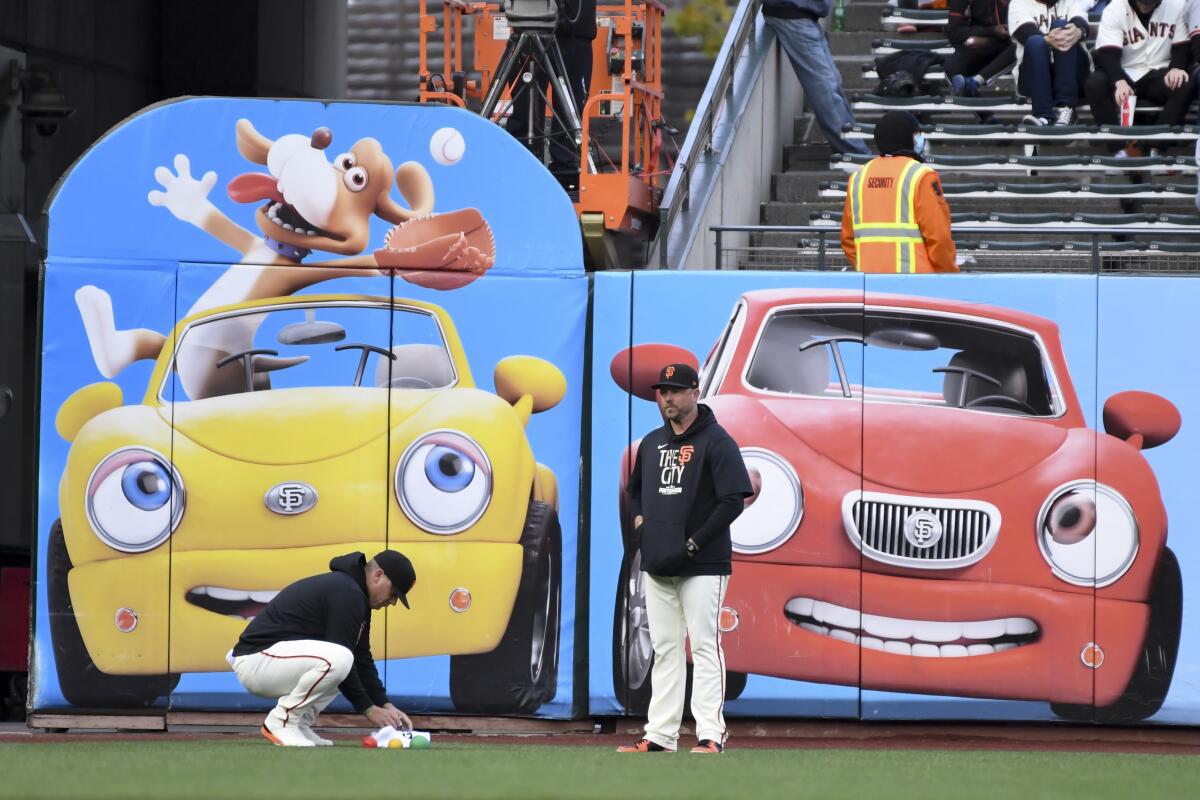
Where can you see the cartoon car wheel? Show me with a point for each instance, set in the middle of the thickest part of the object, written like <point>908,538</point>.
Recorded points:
<point>633,653</point>
<point>1147,688</point>
<point>81,681</point>
<point>521,675</point>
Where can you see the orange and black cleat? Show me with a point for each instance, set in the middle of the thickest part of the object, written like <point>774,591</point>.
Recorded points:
<point>709,746</point>
<point>641,746</point>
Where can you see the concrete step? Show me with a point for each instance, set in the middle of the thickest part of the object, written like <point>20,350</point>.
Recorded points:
<point>852,43</point>
<point>812,155</point>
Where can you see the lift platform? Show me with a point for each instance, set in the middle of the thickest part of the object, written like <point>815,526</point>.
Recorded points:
<point>624,168</point>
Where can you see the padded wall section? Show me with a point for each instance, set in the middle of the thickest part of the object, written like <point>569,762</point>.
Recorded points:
<point>983,410</point>
<point>789,540</point>
<point>105,493</point>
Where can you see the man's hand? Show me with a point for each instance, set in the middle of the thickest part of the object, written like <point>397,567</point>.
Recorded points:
<point>1122,91</point>
<point>1063,39</point>
<point>1175,78</point>
<point>388,714</point>
<point>637,521</point>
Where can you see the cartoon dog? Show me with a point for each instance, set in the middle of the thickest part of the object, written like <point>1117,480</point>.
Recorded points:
<point>310,204</point>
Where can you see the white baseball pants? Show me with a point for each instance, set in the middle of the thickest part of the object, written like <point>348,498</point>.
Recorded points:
<point>677,607</point>
<point>304,675</point>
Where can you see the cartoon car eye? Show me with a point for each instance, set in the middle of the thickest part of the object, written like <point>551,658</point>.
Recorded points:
<point>444,482</point>
<point>355,179</point>
<point>129,500</point>
<point>1087,533</point>
<point>345,161</point>
<point>774,510</point>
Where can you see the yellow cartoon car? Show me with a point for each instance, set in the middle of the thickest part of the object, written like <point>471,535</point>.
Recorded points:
<point>275,435</point>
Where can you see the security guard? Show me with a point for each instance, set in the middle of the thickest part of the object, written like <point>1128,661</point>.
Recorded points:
<point>896,218</point>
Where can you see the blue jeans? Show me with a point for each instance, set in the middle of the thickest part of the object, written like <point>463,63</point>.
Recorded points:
<point>805,45</point>
<point>1050,78</point>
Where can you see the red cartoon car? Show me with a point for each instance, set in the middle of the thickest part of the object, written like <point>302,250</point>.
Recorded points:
<point>932,513</point>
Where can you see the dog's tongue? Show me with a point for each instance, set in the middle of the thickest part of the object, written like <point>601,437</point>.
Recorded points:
<point>252,187</point>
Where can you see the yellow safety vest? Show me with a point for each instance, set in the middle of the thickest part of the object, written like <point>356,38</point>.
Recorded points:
<point>887,237</point>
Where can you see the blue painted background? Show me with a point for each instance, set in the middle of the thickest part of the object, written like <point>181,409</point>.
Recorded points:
<point>1118,333</point>
<point>103,231</point>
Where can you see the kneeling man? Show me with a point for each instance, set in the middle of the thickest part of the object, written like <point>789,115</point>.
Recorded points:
<point>314,639</point>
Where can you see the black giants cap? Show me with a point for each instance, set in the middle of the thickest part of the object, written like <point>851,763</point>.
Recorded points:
<point>399,571</point>
<point>677,376</point>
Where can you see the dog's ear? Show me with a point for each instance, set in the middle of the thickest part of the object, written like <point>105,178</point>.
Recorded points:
<point>416,186</point>
<point>251,144</point>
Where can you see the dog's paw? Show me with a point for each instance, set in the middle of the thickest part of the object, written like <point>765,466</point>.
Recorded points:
<point>183,195</point>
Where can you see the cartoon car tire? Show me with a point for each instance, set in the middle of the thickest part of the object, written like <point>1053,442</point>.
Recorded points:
<point>1147,687</point>
<point>521,674</point>
<point>633,654</point>
<point>81,681</point>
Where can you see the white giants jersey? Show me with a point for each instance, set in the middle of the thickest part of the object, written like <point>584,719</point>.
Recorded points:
<point>1043,15</point>
<point>1144,48</point>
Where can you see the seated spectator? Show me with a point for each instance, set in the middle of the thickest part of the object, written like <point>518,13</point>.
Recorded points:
<point>1141,50</point>
<point>1052,61</point>
<point>978,29</point>
<point>797,25</point>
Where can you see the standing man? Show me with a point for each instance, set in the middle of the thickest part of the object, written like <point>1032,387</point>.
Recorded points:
<point>314,638</point>
<point>797,24</point>
<point>895,218</point>
<point>688,484</point>
<point>574,33</point>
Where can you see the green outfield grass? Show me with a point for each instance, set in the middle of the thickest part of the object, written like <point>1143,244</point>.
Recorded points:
<point>246,769</point>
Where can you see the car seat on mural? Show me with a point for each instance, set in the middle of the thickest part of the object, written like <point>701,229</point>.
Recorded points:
<point>415,366</point>
<point>780,367</point>
<point>974,379</point>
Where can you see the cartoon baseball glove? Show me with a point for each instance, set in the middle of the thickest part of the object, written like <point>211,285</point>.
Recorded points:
<point>439,251</point>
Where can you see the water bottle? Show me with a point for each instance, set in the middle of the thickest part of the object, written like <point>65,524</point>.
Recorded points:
<point>839,16</point>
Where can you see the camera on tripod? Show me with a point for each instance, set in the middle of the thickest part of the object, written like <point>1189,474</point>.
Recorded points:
<point>531,14</point>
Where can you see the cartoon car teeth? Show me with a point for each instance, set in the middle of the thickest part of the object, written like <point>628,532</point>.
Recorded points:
<point>349,421</point>
<point>931,512</point>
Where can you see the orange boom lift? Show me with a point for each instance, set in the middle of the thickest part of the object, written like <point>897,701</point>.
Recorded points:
<point>622,171</point>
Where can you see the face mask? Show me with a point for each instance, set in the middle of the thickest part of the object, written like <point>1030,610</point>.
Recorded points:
<point>920,146</point>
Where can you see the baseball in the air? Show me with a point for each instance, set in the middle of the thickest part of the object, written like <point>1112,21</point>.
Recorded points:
<point>447,146</point>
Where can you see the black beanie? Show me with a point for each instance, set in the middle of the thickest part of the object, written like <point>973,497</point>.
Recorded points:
<point>894,133</point>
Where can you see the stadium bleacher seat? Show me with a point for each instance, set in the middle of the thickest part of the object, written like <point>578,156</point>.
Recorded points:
<point>1014,163</point>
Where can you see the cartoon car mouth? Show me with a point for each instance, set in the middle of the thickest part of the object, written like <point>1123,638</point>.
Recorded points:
<point>287,217</point>
<point>911,637</point>
<point>230,602</point>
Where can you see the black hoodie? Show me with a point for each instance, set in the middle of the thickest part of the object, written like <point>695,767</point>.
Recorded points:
<point>331,607</point>
<point>688,486</point>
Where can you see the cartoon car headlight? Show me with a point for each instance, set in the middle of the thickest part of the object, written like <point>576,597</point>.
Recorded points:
<point>775,508</point>
<point>444,482</point>
<point>1087,533</point>
<point>135,500</point>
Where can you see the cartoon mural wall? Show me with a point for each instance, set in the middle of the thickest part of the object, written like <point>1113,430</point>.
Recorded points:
<point>963,488</point>
<point>263,349</point>
<point>240,384</point>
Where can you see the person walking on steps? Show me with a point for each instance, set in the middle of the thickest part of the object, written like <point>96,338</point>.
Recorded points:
<point>797,25</point>
<point>688,483</point>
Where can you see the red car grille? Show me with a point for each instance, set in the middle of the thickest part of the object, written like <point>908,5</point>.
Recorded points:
<point>926,533</point>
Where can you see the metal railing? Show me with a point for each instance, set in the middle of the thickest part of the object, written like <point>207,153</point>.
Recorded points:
<point>982,249</point>
<point>717,92</point>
